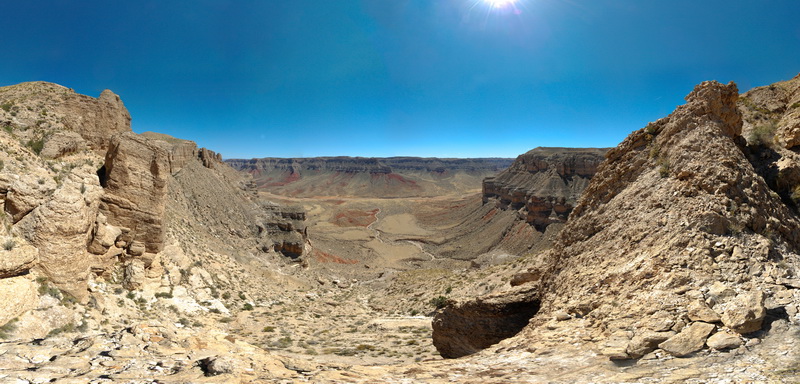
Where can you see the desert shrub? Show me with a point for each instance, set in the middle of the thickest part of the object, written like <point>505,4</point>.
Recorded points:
<point>165,295</point>
<point>65,329</point>
<point>762,135</point>
<point>439,302</point>
<point>2,165</point>
<point>796,105</point>
<point>9,245</point>
<point>269,329</point>
<point>35,145</point>
<point>247,307</point>
<point>225,320</point>
<point>6,106</point>
<point>663,168</point>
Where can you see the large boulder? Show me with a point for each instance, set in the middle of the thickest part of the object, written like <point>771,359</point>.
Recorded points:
<point>61,229</point>
<point>465,327</point>
<point>745,313</point>
<point>17,260</point>
<point>17,296</point>
<point>690,339</point>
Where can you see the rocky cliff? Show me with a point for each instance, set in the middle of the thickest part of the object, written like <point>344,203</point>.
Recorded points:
<point>677,244</point>
<point>367,177</point>
<point>59,120</point>
<point>88,215</point>
<point>544,184</point>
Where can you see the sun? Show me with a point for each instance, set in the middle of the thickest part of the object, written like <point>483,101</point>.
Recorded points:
<point>500,3</point>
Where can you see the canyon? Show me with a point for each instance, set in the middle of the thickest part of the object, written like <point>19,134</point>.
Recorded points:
<point>672,257</point>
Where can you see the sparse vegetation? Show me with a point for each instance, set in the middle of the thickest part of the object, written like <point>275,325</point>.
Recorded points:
<point>35,145</point>
<point>65,329</point>
<point>6,106</point>
<point>8,328</point>
<point>268,329</point>
<point>663,168</point>
<point>439,302</point>
<point>247,307</point>
<point>9,245</point>
<point>762,135</point>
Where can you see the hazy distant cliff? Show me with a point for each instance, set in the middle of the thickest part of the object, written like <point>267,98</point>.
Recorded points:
<point>368,177</point>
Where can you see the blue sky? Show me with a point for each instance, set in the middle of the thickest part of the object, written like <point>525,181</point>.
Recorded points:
<point>448,78</point>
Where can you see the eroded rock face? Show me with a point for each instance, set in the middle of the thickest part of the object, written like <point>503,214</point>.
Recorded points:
<point>61,228</point>
<point>465,327</point>
<point>544,182</point>
<point>51,106</point>
<point>135,179</point>
<point>18,260</point>
<point>674,216</point>
<point>17,296</point>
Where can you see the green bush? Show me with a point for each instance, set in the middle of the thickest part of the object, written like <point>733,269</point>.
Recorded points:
<point>6,106</point>
<point>439,302</point>
<point>247,307</point>
<point>36,145</point>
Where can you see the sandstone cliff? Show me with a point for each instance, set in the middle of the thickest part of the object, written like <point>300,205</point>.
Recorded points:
<point>544,184</point>
<point>368,177</point>
<point>676,238</point>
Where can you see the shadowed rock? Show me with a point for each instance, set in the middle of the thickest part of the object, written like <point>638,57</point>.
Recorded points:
<point>463,328</point>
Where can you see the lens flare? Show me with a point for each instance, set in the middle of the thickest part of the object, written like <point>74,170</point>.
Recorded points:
<point>500,3</point>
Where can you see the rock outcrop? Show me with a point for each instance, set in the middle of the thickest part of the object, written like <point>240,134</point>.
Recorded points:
<point>60,229</point>
<point>544,184</point>
<point>675,212</point>
<point>42,108</point>
<point>134,179</point>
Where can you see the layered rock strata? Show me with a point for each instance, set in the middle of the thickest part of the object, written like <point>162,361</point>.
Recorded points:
<point>544,184</point>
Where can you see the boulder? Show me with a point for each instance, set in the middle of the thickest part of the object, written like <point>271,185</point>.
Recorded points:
<point>17,296</point>
<point>465,327</point>
<point>17,261</point>
<point>134,275</point>
<point>745,313</point>
<point>690,339</point>
<point>60,229</point>
<point>105,236</point>
<point>26,193</point>
<point>699,311</point>
<point>646,342</point>
<point>724,340</point>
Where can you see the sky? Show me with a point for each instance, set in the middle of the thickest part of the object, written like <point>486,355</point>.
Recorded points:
<point>445,78</point>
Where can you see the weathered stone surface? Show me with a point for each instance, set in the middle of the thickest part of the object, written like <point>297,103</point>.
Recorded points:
<point>690,339</point>
<point>26,193</point>
<point>699,311</point>
<point>466,327</point>
<point>62,143</point>
<point>20,259</point>
<point>60,230</point>
<point>17,295</point>
<point>745,313</point>
<point>724,340</point>
<point>615,347</point>
<point>646,342</point>
<point>135,181</point>
<point>134,275</point>
<point>105,236</point>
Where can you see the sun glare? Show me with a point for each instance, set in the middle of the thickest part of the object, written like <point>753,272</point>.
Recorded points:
<point>500,3</point>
